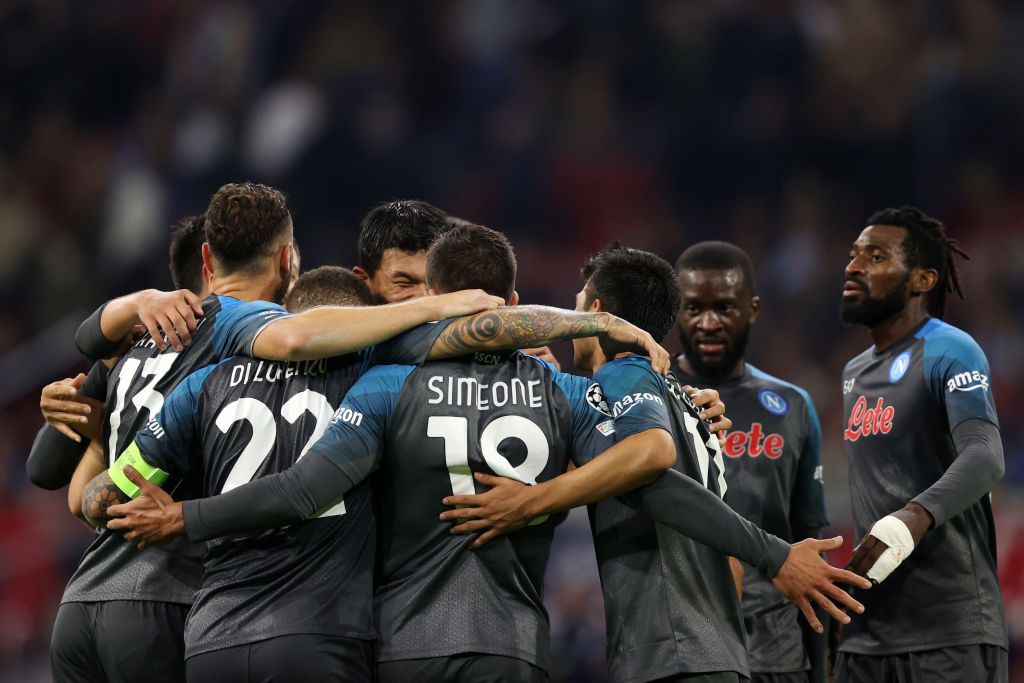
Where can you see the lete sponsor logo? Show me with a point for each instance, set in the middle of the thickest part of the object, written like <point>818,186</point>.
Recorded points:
<point>866,421</point>
<point>967,381</point>
<point>753,443</point>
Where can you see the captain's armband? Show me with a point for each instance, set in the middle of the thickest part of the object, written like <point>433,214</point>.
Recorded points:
<point>133,456</point>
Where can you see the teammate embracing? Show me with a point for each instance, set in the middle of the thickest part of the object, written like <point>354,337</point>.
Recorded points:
<point>924,453</point>
<point>772,454</point>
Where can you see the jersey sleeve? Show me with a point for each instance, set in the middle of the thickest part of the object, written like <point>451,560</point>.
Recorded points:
<point>354,441</point>
<point>807,506</point>
<point>236,327</point>
<point>95,385</point>
<point>636,397</point>
<point>168,443</point>
<point>593,429</point>
<point>957,374</point>
<point>408,348</point>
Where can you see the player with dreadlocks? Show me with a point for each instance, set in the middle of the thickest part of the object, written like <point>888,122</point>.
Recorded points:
<point>924,453</point>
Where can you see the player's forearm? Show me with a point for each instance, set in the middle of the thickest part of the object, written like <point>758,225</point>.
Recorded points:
<point>629,464</point>
<point>91,465</point>
<point>300,492</point>
<point>336,330</point>
<point>977,468</point>
<point>99,494</point>
<point>96,340</point>
<point>517,327</point>
<point>683,504</point>
<point>52,461</point>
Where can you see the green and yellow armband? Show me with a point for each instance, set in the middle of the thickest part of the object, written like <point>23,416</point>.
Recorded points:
<point>133,456</point>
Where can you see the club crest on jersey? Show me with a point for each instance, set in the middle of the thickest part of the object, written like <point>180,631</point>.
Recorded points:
<point>899,367</point>
<point>773,402</point>
<point>967,381</point>
<point>595,399</point>
<point>866,421</point>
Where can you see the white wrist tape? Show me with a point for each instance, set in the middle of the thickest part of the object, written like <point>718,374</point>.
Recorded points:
<point>895,534</point>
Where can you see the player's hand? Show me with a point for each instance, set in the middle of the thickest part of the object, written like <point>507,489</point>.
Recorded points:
<point>626,333</point>
<point>504,508</point>
<point>465,302</point>
<point>152,518</point>
<point>544,353</point>
<point>170,314</point>
<point>712,409</point>
<point>70,413</point>
<point>805,577</point>
<point>870,549</point>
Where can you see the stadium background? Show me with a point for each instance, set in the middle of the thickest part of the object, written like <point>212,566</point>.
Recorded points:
<point>780,125</point>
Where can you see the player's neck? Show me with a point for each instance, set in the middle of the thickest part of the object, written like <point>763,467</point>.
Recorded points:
<point>244,287</point>
<point>898,326</point>
<point>689,370</point>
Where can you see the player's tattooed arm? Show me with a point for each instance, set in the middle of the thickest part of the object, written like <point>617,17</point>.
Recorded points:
<point>522,327</point>
<point>100,494</point>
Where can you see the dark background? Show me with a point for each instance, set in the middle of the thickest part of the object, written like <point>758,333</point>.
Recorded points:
<point>780,125</point>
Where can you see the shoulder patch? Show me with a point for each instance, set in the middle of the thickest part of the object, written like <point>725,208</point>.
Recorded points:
<point>899,367</point>
<point>595,399</point>
<point>773,402</point>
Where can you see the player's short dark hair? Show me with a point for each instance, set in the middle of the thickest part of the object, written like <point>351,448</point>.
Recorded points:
<point>472,257</point>
<point>927,246</point>
<point>635,285</point>
<point>244,221</point>
<point>715,255</point>
<point>408,225</point>
<point>328,286</point>
<point>186,253</point>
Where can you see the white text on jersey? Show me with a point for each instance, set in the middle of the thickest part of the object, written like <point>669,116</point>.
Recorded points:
<point>467,391</point>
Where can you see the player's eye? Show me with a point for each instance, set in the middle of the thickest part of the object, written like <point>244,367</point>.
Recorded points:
<point>877,258</point>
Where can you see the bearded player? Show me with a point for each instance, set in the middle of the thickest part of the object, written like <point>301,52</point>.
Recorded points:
<point>773,453</point>
<point>924,453</point>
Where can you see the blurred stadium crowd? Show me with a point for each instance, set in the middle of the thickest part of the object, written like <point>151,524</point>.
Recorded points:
<point>777,124</point>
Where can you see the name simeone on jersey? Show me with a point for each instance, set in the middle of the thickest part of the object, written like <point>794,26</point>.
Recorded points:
<point>967,381</point>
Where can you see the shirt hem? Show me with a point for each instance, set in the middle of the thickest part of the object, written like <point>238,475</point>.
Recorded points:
<point>89,597</point>
<point>207,647</point>
<point>855,649</point>
<point>392,656</point>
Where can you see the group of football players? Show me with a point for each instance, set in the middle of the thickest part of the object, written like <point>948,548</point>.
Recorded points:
<point>363,483</point>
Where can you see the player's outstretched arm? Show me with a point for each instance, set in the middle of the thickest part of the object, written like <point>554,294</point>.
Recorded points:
<point>300,492</point>
<point>636,460</point>
<point>522,327</point>
<point>171,313</point>
<point>977,468</point>
<point>336,330</point>
<point>510,504</point>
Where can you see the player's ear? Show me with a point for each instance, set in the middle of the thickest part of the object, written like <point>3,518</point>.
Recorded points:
<point>755,306</point>
<point>431,291</point>
<point>514,299</point>
<point>923,280</point>
<point>208,260</point>
<point>284,257</point>
<point>596,306</point>
<point>363,275</point>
